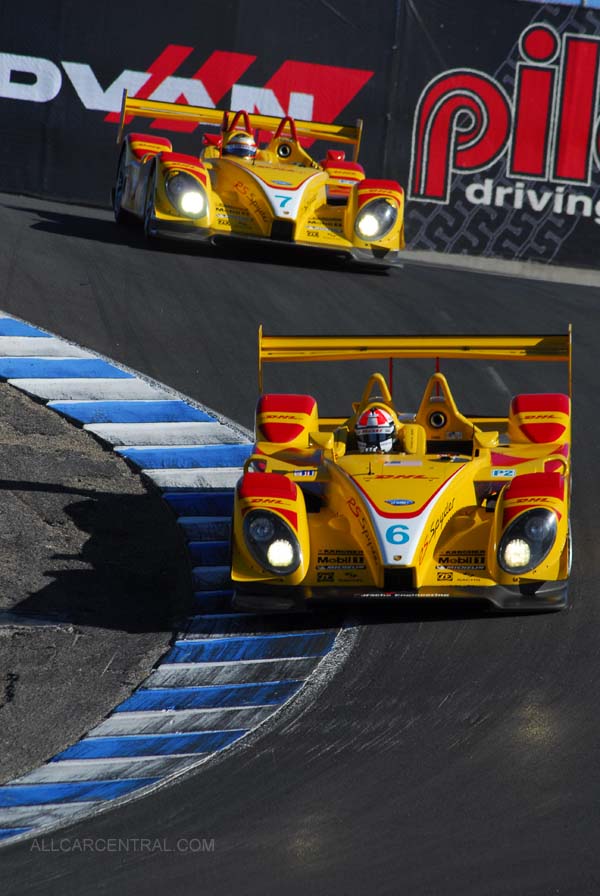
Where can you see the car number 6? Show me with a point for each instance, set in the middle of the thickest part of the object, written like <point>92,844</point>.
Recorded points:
<point>397,534</point>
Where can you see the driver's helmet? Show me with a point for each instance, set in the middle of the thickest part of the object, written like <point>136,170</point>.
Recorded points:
<point>375,431</point>
<point>241,145</point>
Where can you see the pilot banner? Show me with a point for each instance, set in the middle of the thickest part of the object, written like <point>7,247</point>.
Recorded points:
<point>488,114</point>
<point>504,138</point>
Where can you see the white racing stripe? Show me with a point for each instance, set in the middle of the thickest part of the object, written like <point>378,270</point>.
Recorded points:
<point>206,477</point>
<point>51,347</point>
<point>183,720</point>
<point>91,390</point>
<point>43,815</point>
<point>144,435</point>
<point>107,769</point>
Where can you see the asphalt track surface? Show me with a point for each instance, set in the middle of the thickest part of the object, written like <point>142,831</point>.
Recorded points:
<point>453,752</point>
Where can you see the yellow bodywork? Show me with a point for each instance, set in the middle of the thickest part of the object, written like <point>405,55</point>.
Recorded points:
<point>425,520</point>
<point>282,194</point>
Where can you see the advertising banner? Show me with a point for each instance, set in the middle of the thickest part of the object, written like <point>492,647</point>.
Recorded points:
<point>504,149</point>
<point>63,69</point>
<point>488,114</point>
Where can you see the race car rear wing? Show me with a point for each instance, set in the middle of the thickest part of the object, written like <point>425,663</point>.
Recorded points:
<point>359,348</point>
<point>316,130</point>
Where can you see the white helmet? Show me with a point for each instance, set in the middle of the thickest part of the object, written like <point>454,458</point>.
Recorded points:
<point>375,431</point>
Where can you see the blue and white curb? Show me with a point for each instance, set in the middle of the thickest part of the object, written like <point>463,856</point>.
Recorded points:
<point>227,672</point>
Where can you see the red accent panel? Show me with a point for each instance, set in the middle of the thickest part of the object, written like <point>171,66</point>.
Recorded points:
<point>543,432</point>
<point>335,165</point>
<point>292,404</point>
<point>544,403</point>
<point>212,140</point>
<point>376,185</point>
<point>281,432</point>
<point>554,466</point>
<point>503,460</point>
<point>536,485</point>
<point>157,144</point>
<point>290,515</point>
<point>178,158</point>
<point>183,159</point>
<point>150,138</point>
<point>335,155</point>
<point>267,485</point>
<point>533,486</point>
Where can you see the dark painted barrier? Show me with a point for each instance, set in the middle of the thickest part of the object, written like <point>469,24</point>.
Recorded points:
<point>488,114</point>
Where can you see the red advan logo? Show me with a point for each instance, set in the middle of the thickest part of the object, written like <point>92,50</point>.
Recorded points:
<point>465,122</point>
<point>300,89</point>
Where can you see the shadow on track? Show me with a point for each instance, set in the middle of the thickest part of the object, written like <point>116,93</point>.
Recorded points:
<point>105,230</point>
<point>131,574</point>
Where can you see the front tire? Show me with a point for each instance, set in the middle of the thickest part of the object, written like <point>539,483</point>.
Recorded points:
<point>149,227</point>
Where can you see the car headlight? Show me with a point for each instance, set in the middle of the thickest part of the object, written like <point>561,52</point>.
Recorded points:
<point>375,219</point>
<point>186,194</point>
<point>527,540</point>
<point>271,542</point>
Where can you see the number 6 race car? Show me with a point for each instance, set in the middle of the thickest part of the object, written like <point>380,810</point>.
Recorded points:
<point>431,504</point>
<point>275,192</point>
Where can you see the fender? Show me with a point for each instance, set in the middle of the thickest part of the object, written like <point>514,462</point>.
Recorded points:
<point>548,490</point>
<point>273,493</point>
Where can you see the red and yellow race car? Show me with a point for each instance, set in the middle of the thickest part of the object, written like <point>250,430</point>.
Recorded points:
<point>268,189</point>
<point>429,503</point>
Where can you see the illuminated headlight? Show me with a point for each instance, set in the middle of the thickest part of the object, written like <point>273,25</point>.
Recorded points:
<point>375,219</point>
<point>186,194</point>
<point>527,541</point>
<point>280,553</point>
<point>272,542</point>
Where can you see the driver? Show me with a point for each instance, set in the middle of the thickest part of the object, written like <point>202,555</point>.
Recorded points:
<point>375,431</point>
<point>241,145</point>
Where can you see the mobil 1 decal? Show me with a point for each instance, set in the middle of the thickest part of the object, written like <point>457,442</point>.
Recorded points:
<point>508,162</point>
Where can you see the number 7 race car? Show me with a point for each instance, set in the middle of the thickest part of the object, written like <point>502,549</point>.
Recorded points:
<point>273,192</point>
<point>426,504</point>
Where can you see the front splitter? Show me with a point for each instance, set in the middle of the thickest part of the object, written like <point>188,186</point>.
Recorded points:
<point>517,598</point>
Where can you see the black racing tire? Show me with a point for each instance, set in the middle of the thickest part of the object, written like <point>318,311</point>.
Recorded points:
<point>149,207</point>
<point>122,216</point>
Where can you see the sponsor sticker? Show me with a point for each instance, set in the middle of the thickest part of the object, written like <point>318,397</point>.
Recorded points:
<point>503,473</point>
<point>339,559</point>
<point>468,559</point>
<point>399,502</point>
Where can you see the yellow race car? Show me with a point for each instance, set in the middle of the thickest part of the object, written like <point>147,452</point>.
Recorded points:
<point>423,504</point>
<point>271,190</point>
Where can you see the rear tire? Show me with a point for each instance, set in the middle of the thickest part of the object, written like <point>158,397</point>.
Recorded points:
<point>122,216</point>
